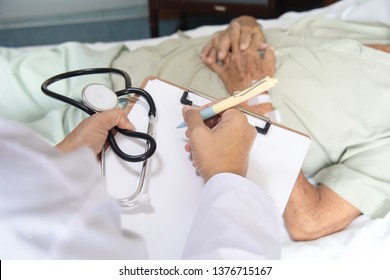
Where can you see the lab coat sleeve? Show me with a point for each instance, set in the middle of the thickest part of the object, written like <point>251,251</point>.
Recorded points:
<point>236,219</point>
<point>55,206</point>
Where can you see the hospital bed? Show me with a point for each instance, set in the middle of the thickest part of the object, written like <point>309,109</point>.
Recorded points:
<point>365,238</point>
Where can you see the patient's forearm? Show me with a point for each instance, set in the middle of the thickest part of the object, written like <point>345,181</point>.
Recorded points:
<point>384,48</point>
<point>314,212</point>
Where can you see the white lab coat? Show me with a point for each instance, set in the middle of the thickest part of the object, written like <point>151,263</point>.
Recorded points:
<point>54,206</point>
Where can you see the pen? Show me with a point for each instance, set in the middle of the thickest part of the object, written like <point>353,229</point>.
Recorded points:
<point>239,97</point>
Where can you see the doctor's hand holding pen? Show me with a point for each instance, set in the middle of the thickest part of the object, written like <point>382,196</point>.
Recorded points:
<point>221,144</point>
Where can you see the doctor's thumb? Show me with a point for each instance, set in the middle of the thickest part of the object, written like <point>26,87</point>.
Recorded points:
<point>192,117</point>
<point>115,117</point>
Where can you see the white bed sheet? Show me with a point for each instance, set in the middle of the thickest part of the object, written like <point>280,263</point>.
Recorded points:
<point>365,238</point>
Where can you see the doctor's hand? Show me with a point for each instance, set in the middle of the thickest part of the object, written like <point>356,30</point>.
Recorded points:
<point>93,131</point>
<point>242,31</point>
<point>223,145</point>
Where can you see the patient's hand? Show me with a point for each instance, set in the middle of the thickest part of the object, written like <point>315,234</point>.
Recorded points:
<point>384,48</point>
<point>245,30</point>
<point>93,131</point>
<point>241,68</point>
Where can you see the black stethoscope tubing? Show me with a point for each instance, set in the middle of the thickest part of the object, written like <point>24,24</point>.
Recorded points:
<point>111,138</point>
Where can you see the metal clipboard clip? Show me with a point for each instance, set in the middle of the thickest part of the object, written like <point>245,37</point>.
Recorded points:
<point>262,130</point>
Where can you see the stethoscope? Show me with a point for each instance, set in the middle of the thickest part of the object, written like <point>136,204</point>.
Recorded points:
<point>97,98</point>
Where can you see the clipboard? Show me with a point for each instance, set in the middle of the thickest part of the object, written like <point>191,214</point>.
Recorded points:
<point>171,181</point>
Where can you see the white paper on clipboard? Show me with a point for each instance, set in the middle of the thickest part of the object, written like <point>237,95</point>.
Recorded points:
<point>172,183</point>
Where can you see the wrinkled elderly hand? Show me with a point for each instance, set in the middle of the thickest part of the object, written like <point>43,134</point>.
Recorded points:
<point>239,62</point>
<point>244,30</point>
<point>223,146</point>
<point>240,69</point>
<point>93,131</point>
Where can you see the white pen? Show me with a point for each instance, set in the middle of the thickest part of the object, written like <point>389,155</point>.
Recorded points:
<point>239,97</point>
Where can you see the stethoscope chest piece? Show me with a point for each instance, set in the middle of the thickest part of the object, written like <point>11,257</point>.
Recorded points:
<point>99,98</point>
